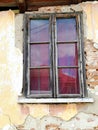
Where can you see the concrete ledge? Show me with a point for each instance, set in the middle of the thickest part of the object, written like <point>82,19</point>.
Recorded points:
<point>55,100</point>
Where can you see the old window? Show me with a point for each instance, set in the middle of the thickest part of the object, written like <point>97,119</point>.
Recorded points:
<point>53,56</point>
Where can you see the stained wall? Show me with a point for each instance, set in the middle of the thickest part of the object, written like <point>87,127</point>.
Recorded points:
<point>70,116</point>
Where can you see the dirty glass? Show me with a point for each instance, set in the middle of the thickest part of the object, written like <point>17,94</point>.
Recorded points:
<point>67,52</point>
<point>66,29</point>
<point>39,81</point>
<point>67,55</point>
<point>68,81</point>
<point>39,30</point>
<point>39,55</point>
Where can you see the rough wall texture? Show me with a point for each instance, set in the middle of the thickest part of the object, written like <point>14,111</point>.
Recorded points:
<point>14,116</point>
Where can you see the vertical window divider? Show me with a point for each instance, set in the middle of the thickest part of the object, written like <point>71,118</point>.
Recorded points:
<point>28,71</point>
<point>51,56</point>
<point>83,60</point>
<point>54,53</point>
<point>25,63</point>
<point>56,58</point>
<point>81,56</point>
<point>79,51</point>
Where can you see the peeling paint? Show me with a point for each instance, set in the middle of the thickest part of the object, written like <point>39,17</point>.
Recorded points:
<point>14,116</point>
<point>82,121</point>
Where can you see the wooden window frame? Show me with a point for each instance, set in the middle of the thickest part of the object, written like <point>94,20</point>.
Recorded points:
<point>82,76</point>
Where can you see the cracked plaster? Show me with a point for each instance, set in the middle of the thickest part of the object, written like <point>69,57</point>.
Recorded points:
<point>79,116</point>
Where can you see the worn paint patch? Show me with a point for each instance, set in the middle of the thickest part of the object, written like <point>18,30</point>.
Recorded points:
<point>59,116</point>
<point>82,121</point>
<point>31,123</point>
<point>25,109</point>
<point>9,127</point>
<point>39,110</point>
<point>10,71</point>
<point>70,110</point>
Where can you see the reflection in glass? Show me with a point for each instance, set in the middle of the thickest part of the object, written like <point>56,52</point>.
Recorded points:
<point>39,81</point>
<point>68,81</point>
<point>66,29</point>
<point>39,55</point>
<point>39,30</point>
<point>67,55</point>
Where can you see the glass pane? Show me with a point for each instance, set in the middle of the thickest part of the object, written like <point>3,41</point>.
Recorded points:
<point>67,55</point>
<point>39,55</point>
<point>66,29</point>
<point>68,81</point>
<point>39,30</point>
<point>39,81</point>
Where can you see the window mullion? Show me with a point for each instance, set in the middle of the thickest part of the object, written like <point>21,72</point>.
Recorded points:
<point>79,55</point>
<point>28,58</point>
<point>25,58</point>
<point>83,76</point>
<point>51,56</point>
<point>55,58</point>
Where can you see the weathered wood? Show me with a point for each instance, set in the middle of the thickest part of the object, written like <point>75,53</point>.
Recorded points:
<point>35,4</point>
<point>21,5</point>
<point>6,1</point>
<point>26,5</point>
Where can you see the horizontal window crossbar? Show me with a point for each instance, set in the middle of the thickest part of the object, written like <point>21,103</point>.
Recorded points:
<point>69,95</point>
<point>67,42</point>
<point>39,95</point>
<point>39,43</point>
<point>40,67</point>
<point>68,67</point>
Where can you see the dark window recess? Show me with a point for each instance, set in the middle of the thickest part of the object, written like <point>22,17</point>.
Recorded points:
<point>53,56</point>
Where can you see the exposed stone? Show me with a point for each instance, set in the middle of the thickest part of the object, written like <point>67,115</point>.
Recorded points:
<point>91,64</point>
<point>82,121</point>
<point>52,126</point>
<point>62,117</point>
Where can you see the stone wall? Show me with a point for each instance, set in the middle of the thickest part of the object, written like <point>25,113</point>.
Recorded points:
<point>74,116</point>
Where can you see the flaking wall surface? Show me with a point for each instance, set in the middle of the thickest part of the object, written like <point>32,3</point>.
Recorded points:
<point>14,116</point>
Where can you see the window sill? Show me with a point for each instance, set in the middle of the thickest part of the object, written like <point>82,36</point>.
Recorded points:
<point>55,100</point>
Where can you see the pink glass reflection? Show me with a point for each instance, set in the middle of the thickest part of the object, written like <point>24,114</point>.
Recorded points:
<point>66,29</point>
<point>39,30</point>
<point>67,55</point>
<point>68,81</point>
<point>39,80</point>
<point>39,55</point>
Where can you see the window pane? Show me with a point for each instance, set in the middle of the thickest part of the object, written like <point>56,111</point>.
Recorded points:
<point>39,55</point>
<point>39,81</point>
<point>39,30</point>
<point>68,81</point>
<point>66,29</point>
<point>67,55</point>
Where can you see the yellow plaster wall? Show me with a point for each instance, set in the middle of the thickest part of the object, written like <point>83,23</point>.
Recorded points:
<point>11,72</point>
<point>91,10</point>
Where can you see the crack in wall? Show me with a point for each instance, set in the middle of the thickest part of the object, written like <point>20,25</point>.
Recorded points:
<point>82,121</point>
<point>45,117</point>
